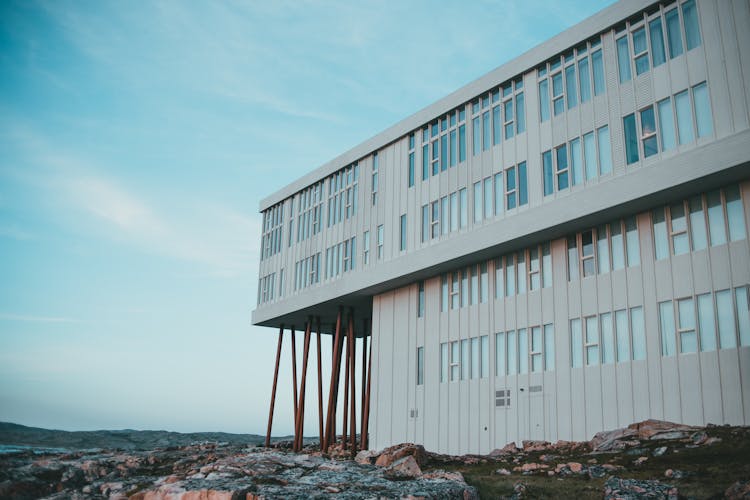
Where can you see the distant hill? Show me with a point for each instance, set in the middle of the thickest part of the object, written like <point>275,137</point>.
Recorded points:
<point>127,439</point>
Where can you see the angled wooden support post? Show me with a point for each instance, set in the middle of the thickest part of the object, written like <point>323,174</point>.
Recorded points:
<point>365,440</point>
<point>364,369</point>
<point>300,423</point>
<point>320,390</point>
<point>353,407</point>
<point>329,413</point>
<point>347,352</point>
<point>294,376</point>
<point>337,383</point>
<point>273,391</point>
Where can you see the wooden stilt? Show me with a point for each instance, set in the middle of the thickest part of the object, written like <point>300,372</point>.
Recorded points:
<point>364,369</point>
<point>337,384</point>
<point>353,407</point>
<point>365,441</point>
<point>273,391</point>
<point>344,429</point>
<point>294,375</point>
<point>320,390</point>
<point>300,423</point>
<point>329,412</point>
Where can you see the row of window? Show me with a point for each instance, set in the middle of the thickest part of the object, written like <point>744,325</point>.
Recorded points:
<point>570,161</point>
<point>497,114</point>
<point>342,194</point>
<point>488,198</point>
<point>460,296</point>
<point>309,208</point>
<point>608,338</point>
<point>715,217</point>
<point>603,249</point>
<point>646,38</point>
<point>443,143</point>
<point>341,257</point>
<point>526,349</point>
<point>366,251</point>
<point>464,359</point>
<point>689,109</point>
<point>723,319</point>
<point>442,216</point>
<point>307,271</point>
<point>273,221</point>
<point>573,90</point>
<point>266,288</point>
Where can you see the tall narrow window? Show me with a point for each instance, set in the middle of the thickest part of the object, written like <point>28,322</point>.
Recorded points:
<point>697,223</point>
<point>455,361</point>
<point>425,223</point>
<point>484,283</point>
<point>444,293</point>
<point>549,186</point>
<point>474,285</point>
<point>576,161</point>
<point>605,150</point>
<point>686,328</point>
<point>717,229</point>
<point>523,192</point>
<point>608,338</point>
<point>661,245</point>
<point>623,338</point>
<point>512,353</point>
<point>674,37</point>
<point>497,125</point>
<point>444,215</point>
<point>602,249</point>
<point>454,210</point>
<point>410,174</point>
<point>587,253</point>
<point>735,215</point>
<point>618,254</point>
<point>403,232</point>
<point>631,242</point>
<point>488,197</point>
<point>678,223</point>
<point>462,204</point>
<point>666,321</point>
<point>571,87</point>
<point>534,269</point>
<point>623,59</point>
<point>508,118</point>
<point>510,190</point>
<point>462,143</point>
<point>477,136</point>
<point>499,280</point>
<point>657,42</point>
<point>558,95</point>
<point>546,266</point>
<point>592,341</point>
<point>640,51</point>
<point>584,77</point>
<point>374,178</point>
<point>380,242</point>
<point>573,271</point>
<point>486,140</point>
<point>684,118</point>
<point>477,202</point>
<point>638,331</point>
<point>420,299</point>
<point>597,64</point>
<point>536,350</point>
<point>648,132</point>
<point>631,139</point>
<point>520,113</point>
<point>703,117</point>
<point>561,159</point>
<point>521,259</point>
<point>366,248</point>
<point>510,276</point>
<point>743,314</point>
<point>544,100</point>
<point>589,155</point>
<point>666,124</point>
<point>690,18</point>
<point>498,193</point>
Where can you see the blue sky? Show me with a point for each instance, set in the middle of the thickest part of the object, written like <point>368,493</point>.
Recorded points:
<point>136,140</point>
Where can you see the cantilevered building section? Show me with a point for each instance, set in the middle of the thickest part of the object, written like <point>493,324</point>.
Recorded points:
<point>555,249</point>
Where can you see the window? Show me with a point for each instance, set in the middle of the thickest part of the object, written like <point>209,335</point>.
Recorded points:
<point>546,266</point>
<point>403,232</point>
<point>742,301</point>
<point>439,148</point>
<point>534,278</point>
<point>592,341</point>
<point>420,299</point>
<point>536,349</point>
<point>271,236</point>
<point>587,253</point>
<point>523,196</point>
<point>342,198</point>
<point>498,193</point>
<point>374,178</point>
<point>420,365</point>
<point>584,77</point>
<point>684,118</point>
<point>444,215</point>
<point>576,162</point>
<point>605,153</point>
<point>678,229</point>
<point>640,51</point>
<point>488,197</point>
<point>549,186</point>
<point>510,189</point>
<point>561,163</point>
<point>674,37</point>
<point>455,361</point>
<point>444,294</point>
<point>666,321</point>
<point>690,19</point>
<point>657,42</point>
<point>648,132</point>
<point>366,249</point>
<point>380,242</point>
<point>631,139</point>
<point>483,282</point>
<point>608,339</point>
<point>502,398</point>
<point>454,290</point>
<point>464,219</point>
<point>703,116</point>
<point>425,223</point>
<point>597,64</point>
<point>666,123</point>
<point>725,316</point>
<point>686,326</point>
<point>500,366</point>
<point>623,337</point>
<point>558,96</point>
<point>602,249</point>
<point>474,285</point>
<point>410,173</point>
<point>499,280</point>
<point>477,202</point>
<point>623,59</point>
<point>735,213</point>
<point>661,246</point>
<point>706,322</point>
<point>544,100</point>
<point>589,155</point>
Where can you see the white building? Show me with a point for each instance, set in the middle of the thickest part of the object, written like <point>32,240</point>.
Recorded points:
<point>558,248</point>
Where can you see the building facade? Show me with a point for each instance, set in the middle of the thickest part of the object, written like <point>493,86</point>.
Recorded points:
<point>558,248</point>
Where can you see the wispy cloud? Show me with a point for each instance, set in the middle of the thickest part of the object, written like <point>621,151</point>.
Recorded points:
<point>37,319</point>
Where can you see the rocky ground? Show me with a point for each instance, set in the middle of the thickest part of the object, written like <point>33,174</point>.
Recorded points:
<point>651,459</point>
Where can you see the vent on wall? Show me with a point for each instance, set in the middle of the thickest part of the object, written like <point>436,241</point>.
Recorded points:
<point>535,388</point>
<point>502,398</point>
<point>413,413</point>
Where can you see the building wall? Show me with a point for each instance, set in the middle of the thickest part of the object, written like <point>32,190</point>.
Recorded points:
<point>461,416</point>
